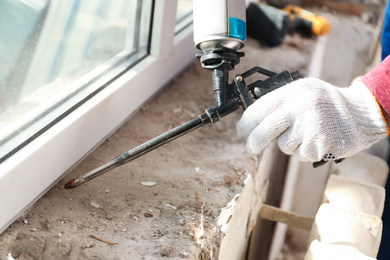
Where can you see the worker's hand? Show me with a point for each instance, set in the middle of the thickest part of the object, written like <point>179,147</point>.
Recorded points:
<point>314,120</point>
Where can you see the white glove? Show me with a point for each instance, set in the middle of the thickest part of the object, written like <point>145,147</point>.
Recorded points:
<point>314,120</point>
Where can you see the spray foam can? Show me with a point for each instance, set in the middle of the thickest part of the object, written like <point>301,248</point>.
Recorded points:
<point>219,23</point>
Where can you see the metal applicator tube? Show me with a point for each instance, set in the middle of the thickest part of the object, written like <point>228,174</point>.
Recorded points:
<point>211,115</point>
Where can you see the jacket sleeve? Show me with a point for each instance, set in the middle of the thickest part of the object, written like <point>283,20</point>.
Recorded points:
<point>378,82</point>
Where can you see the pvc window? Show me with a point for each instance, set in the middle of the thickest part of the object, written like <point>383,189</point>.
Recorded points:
<point>58,54</point>
<point>71,73</point>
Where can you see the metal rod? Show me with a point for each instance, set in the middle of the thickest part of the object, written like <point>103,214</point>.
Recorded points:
<point>140,150</point>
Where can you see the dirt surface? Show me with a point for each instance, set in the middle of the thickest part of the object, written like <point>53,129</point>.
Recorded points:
<point>115,216</point>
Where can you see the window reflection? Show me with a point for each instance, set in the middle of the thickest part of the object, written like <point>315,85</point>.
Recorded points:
<point>183,14</point>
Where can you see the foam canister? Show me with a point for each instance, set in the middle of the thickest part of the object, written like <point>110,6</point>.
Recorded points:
<point>219,23</point>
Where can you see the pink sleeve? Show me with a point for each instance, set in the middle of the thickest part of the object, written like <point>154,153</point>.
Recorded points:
<point>378,82</point>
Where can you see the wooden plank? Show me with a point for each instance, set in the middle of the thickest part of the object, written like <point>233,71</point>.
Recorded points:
<point>290,218</point>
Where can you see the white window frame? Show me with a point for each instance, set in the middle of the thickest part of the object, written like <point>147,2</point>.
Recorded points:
<point>33,170</point>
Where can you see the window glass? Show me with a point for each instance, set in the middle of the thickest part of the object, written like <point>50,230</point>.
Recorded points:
<point>183,14</point>
<point>55,54</point>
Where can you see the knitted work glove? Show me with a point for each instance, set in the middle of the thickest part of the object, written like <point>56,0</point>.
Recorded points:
<point>314,120</point>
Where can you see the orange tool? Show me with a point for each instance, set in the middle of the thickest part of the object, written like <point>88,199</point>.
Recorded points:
<point>317,25</point>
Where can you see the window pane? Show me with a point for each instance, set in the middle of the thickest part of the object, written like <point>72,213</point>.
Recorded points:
<point>56,53</point>
<point>183,14</point>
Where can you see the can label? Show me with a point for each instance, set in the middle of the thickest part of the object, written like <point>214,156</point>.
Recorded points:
<point>237,28</point>
<point>237,19</point>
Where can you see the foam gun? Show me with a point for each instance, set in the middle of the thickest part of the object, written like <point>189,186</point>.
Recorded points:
<point>219,35</point>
